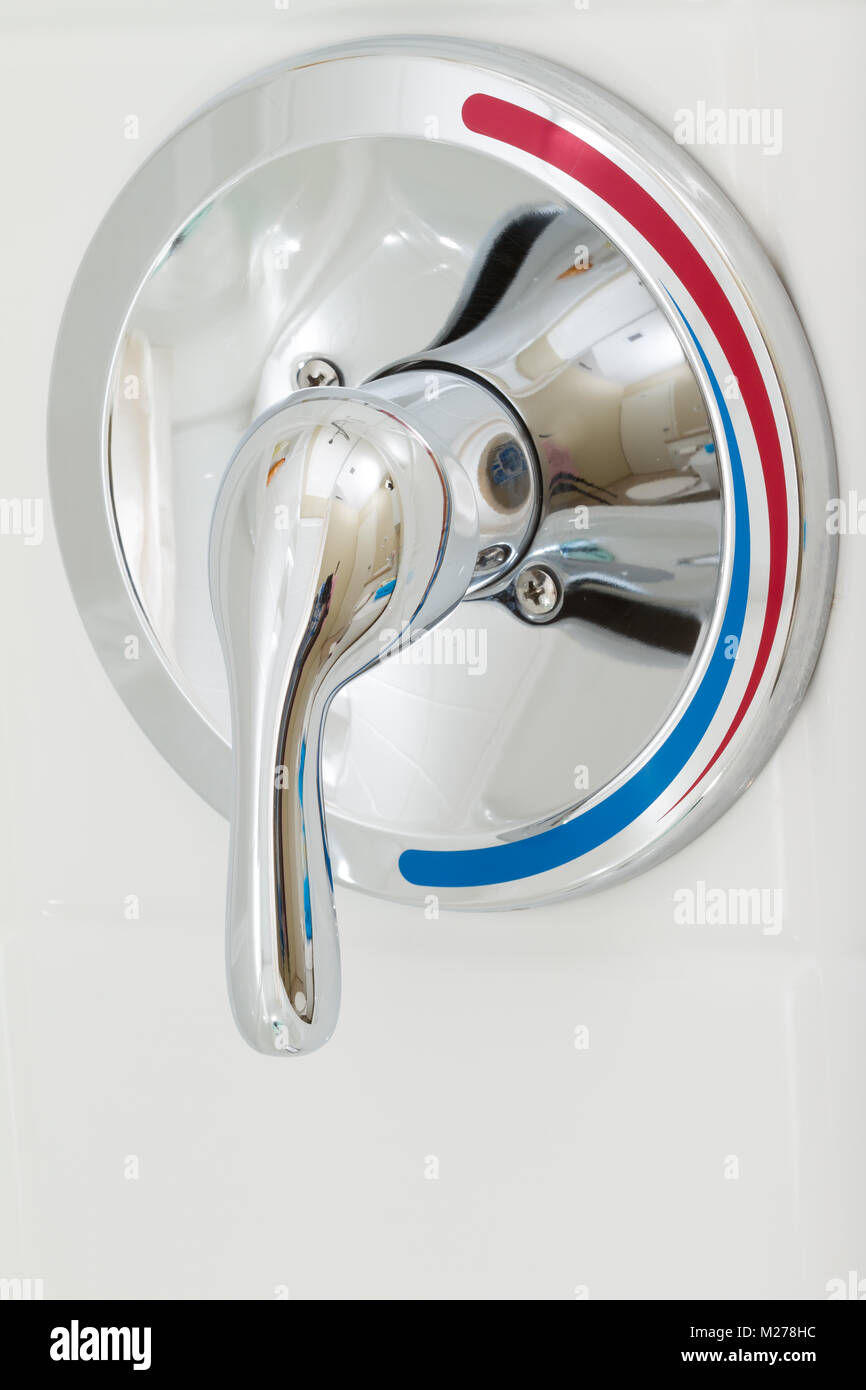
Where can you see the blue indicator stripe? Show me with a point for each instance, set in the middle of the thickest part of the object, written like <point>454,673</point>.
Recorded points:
<point>549,849</point>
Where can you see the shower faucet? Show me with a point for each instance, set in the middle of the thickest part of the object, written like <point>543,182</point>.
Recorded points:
<point>428,336</point>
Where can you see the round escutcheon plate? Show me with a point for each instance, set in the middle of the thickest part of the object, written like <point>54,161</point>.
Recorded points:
<point>625,671</point>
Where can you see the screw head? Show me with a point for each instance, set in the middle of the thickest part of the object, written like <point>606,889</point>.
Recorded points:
<point>318,371</point>
<point>492,557</point>
<point>538,593</point>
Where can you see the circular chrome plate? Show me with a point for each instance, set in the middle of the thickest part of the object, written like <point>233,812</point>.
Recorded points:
<point>351,209</point>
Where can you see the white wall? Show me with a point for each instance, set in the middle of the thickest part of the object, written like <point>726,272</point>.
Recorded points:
<point>559,1167</point>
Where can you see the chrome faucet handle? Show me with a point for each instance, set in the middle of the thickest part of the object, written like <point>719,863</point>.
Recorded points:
<point>345,524</point>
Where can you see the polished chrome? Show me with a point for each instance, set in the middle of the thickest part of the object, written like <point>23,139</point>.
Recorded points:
<point>598,471</point>
<point>488,437</point>
<point>251,241</point>
<point>346,526</point>
<point>317,371</point>
<point>566,330</point>
<point>538,594</point>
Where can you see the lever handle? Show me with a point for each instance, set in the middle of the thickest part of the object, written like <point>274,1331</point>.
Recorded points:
<point>344,521</point>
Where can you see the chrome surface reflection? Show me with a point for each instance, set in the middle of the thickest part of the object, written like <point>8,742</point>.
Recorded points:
<point>345,526</point>
<point>555,317</point>
<point>631,523</point>
<point>614,487</point>
<point>250,244</point>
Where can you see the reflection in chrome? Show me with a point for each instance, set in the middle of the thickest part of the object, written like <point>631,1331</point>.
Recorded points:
<point>510,354</point>
<point>345,524</point>
<point>556,319</point>
<point>590,455</point>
